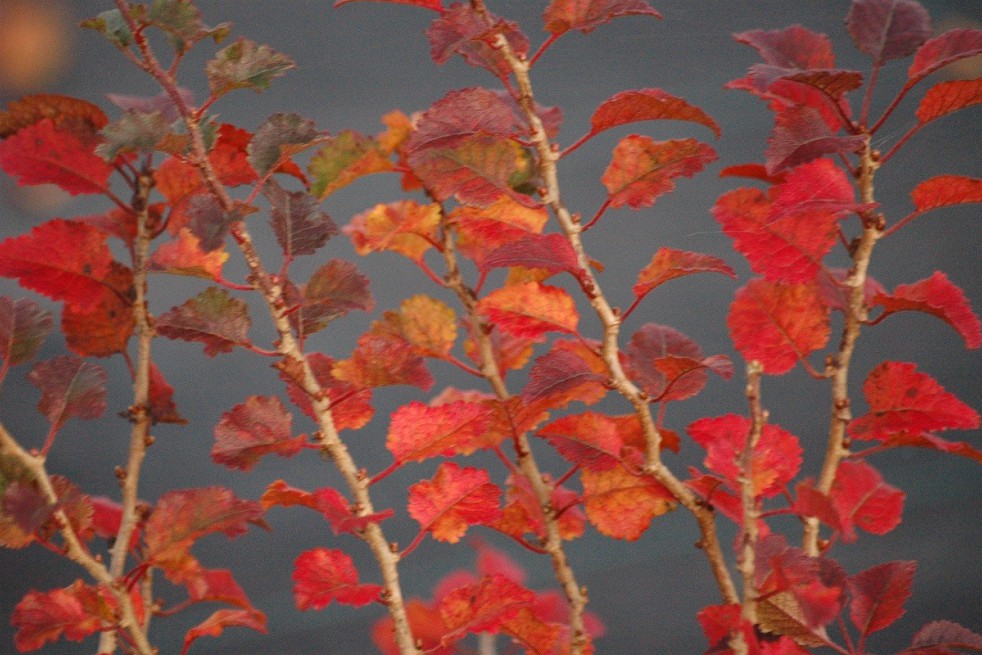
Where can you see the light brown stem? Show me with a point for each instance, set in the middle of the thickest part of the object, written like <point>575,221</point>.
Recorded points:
<point>139,411</point>
<point>856,314</point>
<point>548,155</point>
<point>749,500</point>
<point>272,292</point>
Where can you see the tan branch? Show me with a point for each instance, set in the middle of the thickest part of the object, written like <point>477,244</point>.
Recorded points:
<point>856,314</point>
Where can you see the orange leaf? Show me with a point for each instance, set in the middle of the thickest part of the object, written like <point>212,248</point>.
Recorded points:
<point>418,431</point>
<point>184,256</point>
<point>405,227</point>
<point>453,500</point>
<point>67,113</point>
<point>530,310</point>
<point>643,169</point>
<point>668,264</point>
<point>104,329</point>
<point>621,504</point>
<point>646,105</point>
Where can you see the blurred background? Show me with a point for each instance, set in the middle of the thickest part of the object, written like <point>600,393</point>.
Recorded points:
<point>356,64</point>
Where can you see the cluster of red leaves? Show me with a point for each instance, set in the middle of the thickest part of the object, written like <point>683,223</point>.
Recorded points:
<point>471,153</point>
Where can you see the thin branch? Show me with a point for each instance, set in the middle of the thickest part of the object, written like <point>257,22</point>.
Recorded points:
<point>548,154</point>
<point>749,500</point>
<point>856,315</point>
<point>272,292</point>
<point>139,411</point>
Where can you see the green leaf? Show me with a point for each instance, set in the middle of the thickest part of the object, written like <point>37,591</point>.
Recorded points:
<point>135,131</point>
<point>245,65</point>
<point>280,135</point>
<point>112,26</point>
<point>181,20</point>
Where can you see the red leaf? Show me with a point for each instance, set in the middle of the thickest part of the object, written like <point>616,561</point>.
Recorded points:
<point>562,16</point>
<point>213,317</point>
<point>937,296</point>
<point>329,502</point>
<point>901,400</point>
<point>646,105</point>
<point>482,606</point>
<point>888,29</point>
<point>945,191</point>
<point>589,440</point>
<point>786,248</point>
<point>878,595</point>
<point>322,576</point>
<point>563,375</point>
<point>778,324</point>
<point>418,431</point>
<point>643,169</point>
<point>523,514</point>
<point>800,135</point>
<point>773,464</point>
<point>69,387</point>
<point>791,47</point>
<point>622,504</point>
<point>260,426</point>
<point>182,517</point>
<point>864,500</point>
<point>334,289</point>
<point>927,440</point>
<point>405,227</point>
<point>461,30</point>
<point>383,359</point>
<point>351,408</point>
<point>946,635</point>
<point>105,328</point>
<point>453,500</point>
<point>530,309</point>
<point>63,260</point>
<point>215,624</point>
<point>947,97</point>
<point>942,50</point>
<point>549,252</point>
<point>23,328</point>
<point>43,153</point>
<point>649,346</point>
<point>74,613</point>
<point>301,228</point>
<point>435,5</point>
<point>668,264</point>
<point>216,585</point>
<point>464,113</point>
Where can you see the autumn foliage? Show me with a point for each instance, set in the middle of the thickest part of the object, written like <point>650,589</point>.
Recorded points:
<point>484,221</point>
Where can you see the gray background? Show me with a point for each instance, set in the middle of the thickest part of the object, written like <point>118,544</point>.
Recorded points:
<point>357,63</point>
